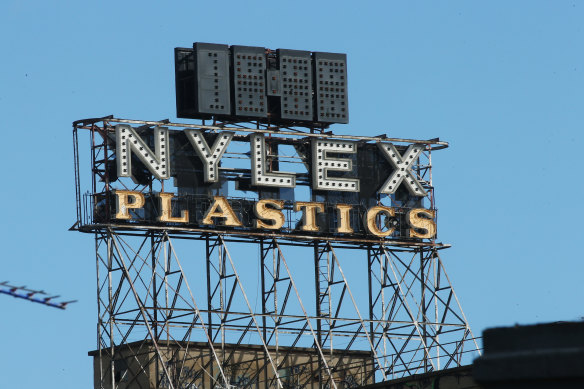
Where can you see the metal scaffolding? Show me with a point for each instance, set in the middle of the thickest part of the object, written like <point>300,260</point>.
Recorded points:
<point>177,307</point>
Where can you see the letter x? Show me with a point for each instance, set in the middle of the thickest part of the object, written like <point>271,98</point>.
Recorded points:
<point>402,165</point>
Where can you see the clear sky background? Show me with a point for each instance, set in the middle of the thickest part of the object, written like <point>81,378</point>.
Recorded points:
<point>502,81</point>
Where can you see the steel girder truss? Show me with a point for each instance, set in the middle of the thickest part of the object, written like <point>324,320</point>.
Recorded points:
<point>151,313</point>
<point>159,328</point>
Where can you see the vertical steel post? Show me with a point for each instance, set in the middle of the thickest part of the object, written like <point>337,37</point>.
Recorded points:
<point>155,306</point>
<point>110,305</point>
<point>423,307</point>
<point>370,289</point>
<point>209,299</point>
<point>263,255</point>
<point>318,310</point>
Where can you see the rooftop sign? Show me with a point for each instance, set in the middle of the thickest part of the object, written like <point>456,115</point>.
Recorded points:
<point>253,181</point>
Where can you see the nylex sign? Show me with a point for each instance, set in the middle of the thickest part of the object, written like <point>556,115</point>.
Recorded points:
<point>328,158</point>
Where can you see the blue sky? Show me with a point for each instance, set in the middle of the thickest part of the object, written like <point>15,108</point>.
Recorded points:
<point>503,82</point>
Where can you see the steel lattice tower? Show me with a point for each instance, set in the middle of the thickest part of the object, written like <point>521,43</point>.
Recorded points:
<point>175,309</point>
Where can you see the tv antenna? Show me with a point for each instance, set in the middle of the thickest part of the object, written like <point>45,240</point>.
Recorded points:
<point>36,296</point>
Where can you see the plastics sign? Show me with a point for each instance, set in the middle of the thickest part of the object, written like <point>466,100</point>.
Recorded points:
<point>341,201</point>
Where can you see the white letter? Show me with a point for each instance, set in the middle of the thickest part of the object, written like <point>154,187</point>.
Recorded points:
<point>259,172</point>
<point>322,164</point>
<point>127,140</point>
<point>402,166</point>
<point>209,155</point>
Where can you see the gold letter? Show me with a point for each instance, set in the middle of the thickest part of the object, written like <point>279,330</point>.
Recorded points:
<point>221,208</point>
<point>166,210</point>
<point>309,214</point>
<point>423,223</point>
<point>344,221</point>
<point>263,212</point>
<point>123,203</point>
<point>371,220</point>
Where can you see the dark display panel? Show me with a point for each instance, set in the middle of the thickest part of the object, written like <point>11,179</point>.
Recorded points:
<point>212,80</point>
<point>245,83</point>
<point>249,73</point>
<point>296,75</point>
<point>330,71</point>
